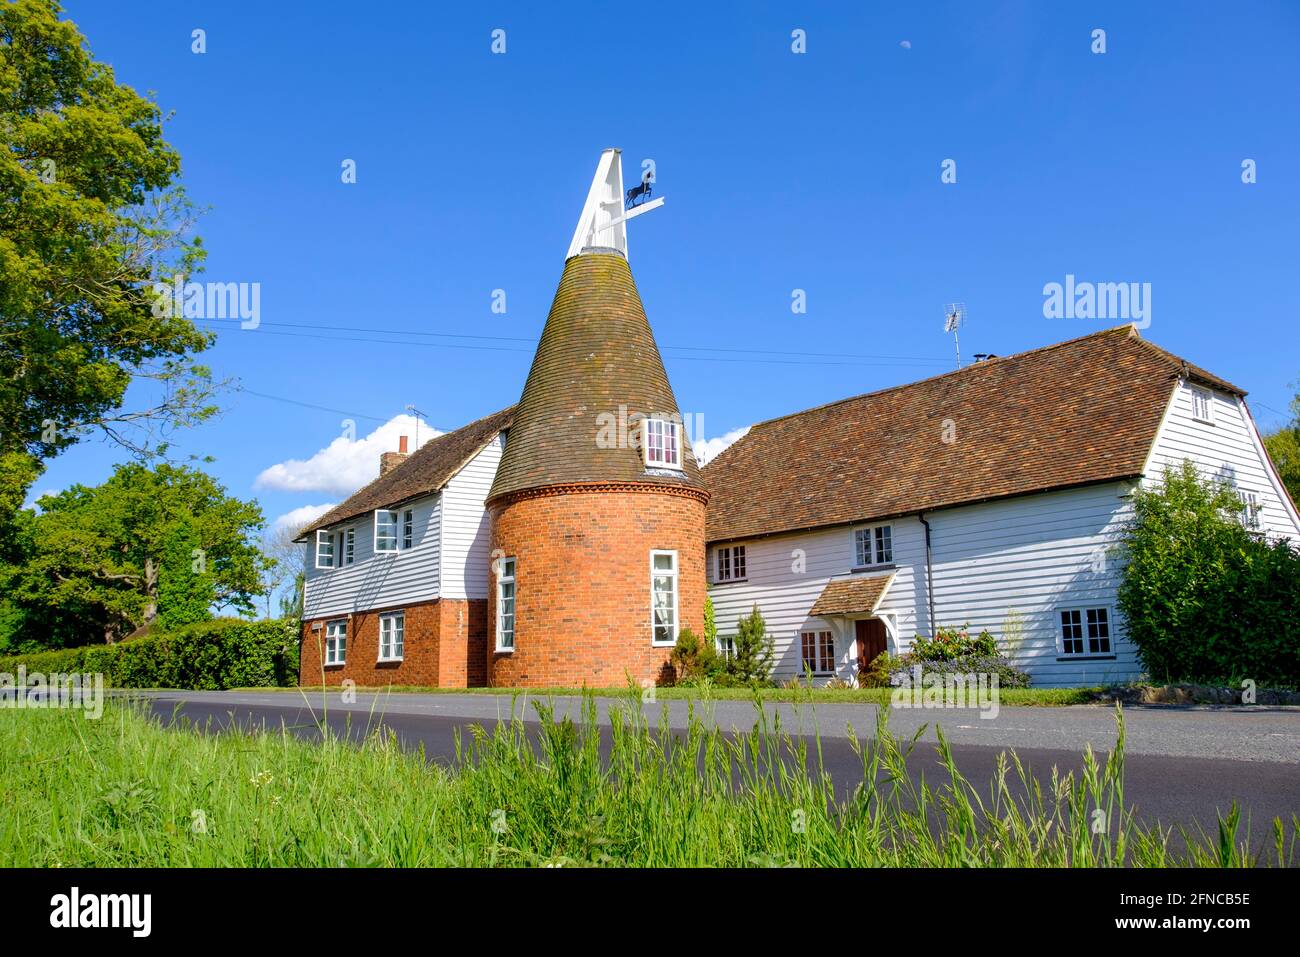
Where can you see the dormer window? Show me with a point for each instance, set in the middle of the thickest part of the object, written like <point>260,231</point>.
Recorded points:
<point>662,443</point>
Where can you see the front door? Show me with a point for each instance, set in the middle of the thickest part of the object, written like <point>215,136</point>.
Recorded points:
<point>870,633</point>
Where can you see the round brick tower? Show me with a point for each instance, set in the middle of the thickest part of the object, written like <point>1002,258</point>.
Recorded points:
<point>597,536</point>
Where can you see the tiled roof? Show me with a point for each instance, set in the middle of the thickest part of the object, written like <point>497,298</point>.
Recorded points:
<point>427,470</point>
<point>852,596</point>
<point>1077,412</point>
<point>597,356</point>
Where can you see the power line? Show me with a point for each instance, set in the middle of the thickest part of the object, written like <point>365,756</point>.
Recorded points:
<point>309,405</point>
<point>892,362</point>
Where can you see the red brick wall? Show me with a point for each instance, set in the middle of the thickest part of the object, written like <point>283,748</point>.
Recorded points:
<point>582,611</point>
<point>444,646</point>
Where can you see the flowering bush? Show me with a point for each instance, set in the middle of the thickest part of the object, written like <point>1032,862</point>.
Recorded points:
<point>949,644</point>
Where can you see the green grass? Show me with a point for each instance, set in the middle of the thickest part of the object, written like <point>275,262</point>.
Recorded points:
<point>1044,697</point>
<point>124,791</point>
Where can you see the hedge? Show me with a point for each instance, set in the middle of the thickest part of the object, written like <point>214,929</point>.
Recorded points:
<point>206,656</point>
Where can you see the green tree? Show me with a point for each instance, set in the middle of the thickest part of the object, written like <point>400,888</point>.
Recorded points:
<point>164,544</point>
<point>91,216</point>
<point>1284,449</point>
<point>754,654</point>
<point>1203,598</point>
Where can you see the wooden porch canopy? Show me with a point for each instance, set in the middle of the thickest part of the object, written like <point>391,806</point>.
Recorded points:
<point>852,596</point>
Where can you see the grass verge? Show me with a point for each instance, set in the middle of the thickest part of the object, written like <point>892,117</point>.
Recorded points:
<point>124,791</point>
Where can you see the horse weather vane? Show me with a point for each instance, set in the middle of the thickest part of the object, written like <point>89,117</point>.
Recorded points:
<point>603,223</point>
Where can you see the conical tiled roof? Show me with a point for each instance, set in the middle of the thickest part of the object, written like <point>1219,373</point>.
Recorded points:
<point>597,355</point>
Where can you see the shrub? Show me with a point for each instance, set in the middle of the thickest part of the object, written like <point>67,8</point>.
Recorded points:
<point>1008,675</point>
<point>881,669</point>
<point>694,658</point>
<point>949,644</point>
<point>209,655</point>
<point>754,651</point>
<point>1204,600</point>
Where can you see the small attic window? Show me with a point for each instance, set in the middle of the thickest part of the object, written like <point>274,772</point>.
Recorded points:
<point>1203,406</point>
<point>662,443</point>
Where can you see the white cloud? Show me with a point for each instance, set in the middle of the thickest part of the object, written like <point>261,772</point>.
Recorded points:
<point>707,450</point>
<point>33,498</point>
<point>345,464</point>
<point>298,517</point>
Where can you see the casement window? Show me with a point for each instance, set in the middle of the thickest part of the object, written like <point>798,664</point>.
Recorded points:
<point>1203,406</point>
<point>663,597</point>
<point>1085,631</point>
<point>336,641</point>
<point>385,530</point>
<point>662,443</point>
<point>392,635</point>
<point>727,646</point>
<point>874,546</point>
<point>394,531</point>
<point>730,564</point>
<point>324,549</point>
<point>505,604</point>
<point>349,546</point>
<point>818,651</point>
<point>1249,517</point>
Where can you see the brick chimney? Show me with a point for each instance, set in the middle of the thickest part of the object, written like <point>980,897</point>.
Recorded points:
<point>390,460</point>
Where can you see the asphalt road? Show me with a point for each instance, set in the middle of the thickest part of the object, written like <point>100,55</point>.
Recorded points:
<point>1184,766</point>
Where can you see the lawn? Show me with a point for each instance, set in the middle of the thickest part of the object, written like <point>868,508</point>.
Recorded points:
<point>125,791</point>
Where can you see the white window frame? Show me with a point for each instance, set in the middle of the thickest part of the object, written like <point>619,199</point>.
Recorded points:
<point>726,646</point>
<point>408,528</point>
<point>395,633</point>
<point>818,649</point>
<point>325,538</point>
<point>672,575</point>
<point>391,523</point>
<point>507,574</point>
<point>349,546</point>
<point>876,554</point>
<point>333,654</point>
<point>1250,517</point>
<point>1203,405</point>
<point>661,430</point>
<point>1085,637</point>
<point>729,564</point>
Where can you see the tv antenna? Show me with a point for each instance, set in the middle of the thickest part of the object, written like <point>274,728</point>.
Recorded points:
<point>418,415</point>
<point>954,314</point>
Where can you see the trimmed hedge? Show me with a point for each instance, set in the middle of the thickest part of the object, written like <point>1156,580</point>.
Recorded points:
<point>205,656</point>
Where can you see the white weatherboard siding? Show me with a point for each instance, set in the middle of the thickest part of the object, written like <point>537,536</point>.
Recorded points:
<point>378,581</point>
<point>1023,558</point>
<point>1229,448</point>
<point>465,530</point>
<point>787,573</point>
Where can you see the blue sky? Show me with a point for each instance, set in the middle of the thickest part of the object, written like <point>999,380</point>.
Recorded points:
<point>818,171</point>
